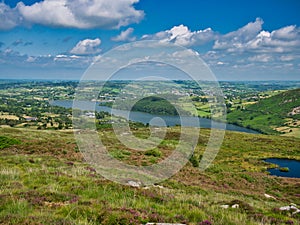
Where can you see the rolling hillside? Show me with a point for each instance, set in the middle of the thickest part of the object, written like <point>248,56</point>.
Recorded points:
<point>277,114</point>
<point>44,180</point>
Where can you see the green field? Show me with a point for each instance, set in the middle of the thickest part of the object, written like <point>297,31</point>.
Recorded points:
<point>268,114</point>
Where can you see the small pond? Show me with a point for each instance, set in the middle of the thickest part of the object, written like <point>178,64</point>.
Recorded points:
<point>292,165</point>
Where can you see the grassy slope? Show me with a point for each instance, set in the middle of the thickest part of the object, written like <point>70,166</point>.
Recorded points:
<point>267,113</point>
<point>44,180</point>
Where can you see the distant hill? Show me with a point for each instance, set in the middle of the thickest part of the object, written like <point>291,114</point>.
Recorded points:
<point>152,104</point>
<point>277,114</point>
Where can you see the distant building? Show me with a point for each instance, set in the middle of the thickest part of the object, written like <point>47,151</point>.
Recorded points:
<point>28,118</point>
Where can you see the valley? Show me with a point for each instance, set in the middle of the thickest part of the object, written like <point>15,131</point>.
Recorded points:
<point>46,180</point>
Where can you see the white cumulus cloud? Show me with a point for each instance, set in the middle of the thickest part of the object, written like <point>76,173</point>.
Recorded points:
<point>86,47</point>
<point>125,35</point>
<point>236,39</point>
<point>182,35</point>
<point>108,14</point>
<point>251,38</point>
<point>288,32</point>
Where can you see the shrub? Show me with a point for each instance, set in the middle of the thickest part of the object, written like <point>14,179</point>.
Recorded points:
<point>194,161</point>
<point>153,152</point>
<point>6,142</point>
<point>284,169</point>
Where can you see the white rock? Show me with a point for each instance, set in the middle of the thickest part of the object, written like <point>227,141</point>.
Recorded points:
<point>235,206</point>
<point>224,206</point>
<point>134,183</point>
<point>285,208</point>
<point>290,207</point>
<point>270,196</point>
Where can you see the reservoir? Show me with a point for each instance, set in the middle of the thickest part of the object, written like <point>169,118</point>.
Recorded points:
<point>146,117</point>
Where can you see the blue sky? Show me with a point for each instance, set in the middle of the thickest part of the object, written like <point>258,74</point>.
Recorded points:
<point>239,40</point>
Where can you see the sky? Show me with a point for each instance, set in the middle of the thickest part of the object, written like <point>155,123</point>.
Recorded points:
<point>239,40</point>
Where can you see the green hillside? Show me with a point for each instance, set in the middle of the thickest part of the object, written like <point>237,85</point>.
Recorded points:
<point>153,104</point>
<point>271,115</point>
<point>44,180</point>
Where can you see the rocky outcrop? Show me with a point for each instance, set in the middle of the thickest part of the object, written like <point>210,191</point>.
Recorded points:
<point>292,207</point>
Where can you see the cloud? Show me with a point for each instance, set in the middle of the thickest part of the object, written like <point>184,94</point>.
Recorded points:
<point>253,50</point>
<point>260,58</point>
<point>9,18</point>
<point>21,42</point>
<point>278,41</point>
<point>288,32</point>
<point>250,42</point>
<point>125,35</point>
<point>67,58</point>
<point>14,59</point>
<point>182,35</point>
<point>235,40</point>
<point>30,59</point>
<point>81,14</point>
<point>17,42</point>
<point>87,47</point>
<point>287,58</point>
<point>251,38</point>
<point>9,56</point>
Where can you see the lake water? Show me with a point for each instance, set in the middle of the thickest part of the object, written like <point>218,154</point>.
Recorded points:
<point>146,117</point>
<point>293,165</point>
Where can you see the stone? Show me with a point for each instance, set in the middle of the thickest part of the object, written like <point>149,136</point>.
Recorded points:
<point>291,207</point>
<point>134,183</point>
<point>270,196</point>
<point>224,206</point>
<point>285,208</point>
<point>235,206</point>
